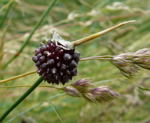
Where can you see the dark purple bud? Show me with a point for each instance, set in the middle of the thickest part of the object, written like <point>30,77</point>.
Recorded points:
<point>63,67</point>
<point>38,64</point>
<point>76,56</point>
<point>42,59</point>
<point>74,72</point>
<point>67,57</point>
<point>58,64</point>
<point>50,62</point>
<point>53,70</point>
<point>73,63</point>
<point>35,58</point>
<point>37,51</point>
<point>44,65</point>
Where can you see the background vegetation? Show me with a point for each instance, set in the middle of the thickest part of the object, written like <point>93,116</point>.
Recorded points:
<point>74,19</point>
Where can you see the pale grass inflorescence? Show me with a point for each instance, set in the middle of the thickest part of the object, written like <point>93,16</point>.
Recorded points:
<point>129,63</point>
<point>83,88</point>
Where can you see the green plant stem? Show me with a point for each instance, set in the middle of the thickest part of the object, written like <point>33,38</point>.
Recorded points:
<point>21,99</point>
<point>32,32</point>
<point>6,14</point>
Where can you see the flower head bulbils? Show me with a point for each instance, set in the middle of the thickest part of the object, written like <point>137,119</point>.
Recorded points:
<point>56,62</point>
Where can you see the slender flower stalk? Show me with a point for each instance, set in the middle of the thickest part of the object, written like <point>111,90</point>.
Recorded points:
<point>31,34</point>
<point>97,58</point>
<point>21,99</point>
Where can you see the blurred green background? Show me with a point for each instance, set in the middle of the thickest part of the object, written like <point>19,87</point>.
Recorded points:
<point>74,19</point>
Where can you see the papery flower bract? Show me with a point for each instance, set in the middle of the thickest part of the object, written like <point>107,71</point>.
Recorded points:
<point>101,94</point>
<point>72,91</point>
<point>82,85</point>
<point>142,58</point>
<point>124,63</point>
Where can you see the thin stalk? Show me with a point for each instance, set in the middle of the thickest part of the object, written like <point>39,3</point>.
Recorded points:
<point>21,99</point>
<point>2,46</point>
<point>31,34</point>
<point>26,86</point>
<point>17,77</point>
<point>98,34</point>
<point>107,58</point>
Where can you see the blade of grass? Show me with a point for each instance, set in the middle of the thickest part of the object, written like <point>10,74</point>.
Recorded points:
<point>31,34</point>
<point>144,89</point>
<point>2,46</point>
<point>2,22</point>
<point>6,5</point>
<point>6,14</point>
<point>21,99</point>
<point>57,113</point>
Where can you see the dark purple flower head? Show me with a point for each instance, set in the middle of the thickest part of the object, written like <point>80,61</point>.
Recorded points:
<point>55,63</point>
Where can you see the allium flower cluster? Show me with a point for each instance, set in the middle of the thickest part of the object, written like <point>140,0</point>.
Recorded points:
<point>55,63</point>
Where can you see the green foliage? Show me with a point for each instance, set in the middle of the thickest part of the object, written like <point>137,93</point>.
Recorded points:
<point>74,19</point>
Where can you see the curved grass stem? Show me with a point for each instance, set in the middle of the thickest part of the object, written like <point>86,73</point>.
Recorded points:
<point>17,77</point>
<point>31,34</point>
<point>21,99</point>
<point>98,34</point>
